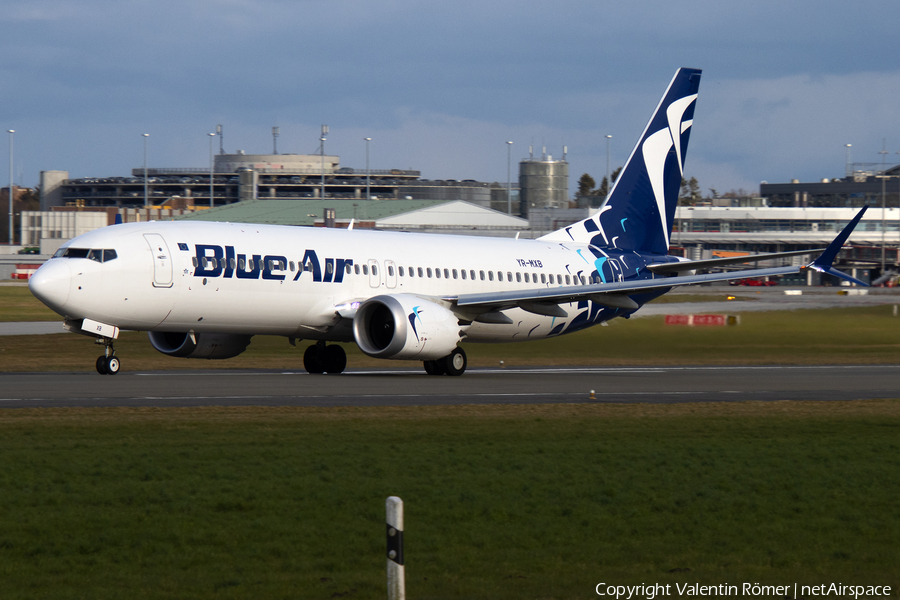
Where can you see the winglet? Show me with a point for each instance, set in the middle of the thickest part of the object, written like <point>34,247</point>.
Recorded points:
<point>825,262</point>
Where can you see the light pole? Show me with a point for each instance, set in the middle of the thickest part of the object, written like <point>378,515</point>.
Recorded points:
<point>146,199</point>
<point>322,149</point>
<point>11,195</point>
<point>509,178</point>
<point>368,197</point>
<point>212,202</point>
<point>608,182</point>
<point>847,168</point>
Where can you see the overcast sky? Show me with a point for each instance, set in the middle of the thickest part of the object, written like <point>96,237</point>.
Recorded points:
<point>441,87</point>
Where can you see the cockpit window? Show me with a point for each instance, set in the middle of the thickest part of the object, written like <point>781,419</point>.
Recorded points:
<point>103,255</point>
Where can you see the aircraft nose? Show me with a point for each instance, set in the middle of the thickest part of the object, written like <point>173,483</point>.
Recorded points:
<point>51,284</point>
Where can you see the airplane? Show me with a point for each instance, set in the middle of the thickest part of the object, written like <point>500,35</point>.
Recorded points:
<point>203,289</point>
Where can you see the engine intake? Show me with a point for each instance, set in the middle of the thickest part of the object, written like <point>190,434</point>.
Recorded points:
<point>199,345</point>
<point>403,326</point>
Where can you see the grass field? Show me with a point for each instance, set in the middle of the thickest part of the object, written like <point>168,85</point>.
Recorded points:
<point>501,502</point>
<point>868,335</point>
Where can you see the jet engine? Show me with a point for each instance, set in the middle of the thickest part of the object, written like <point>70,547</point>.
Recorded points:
<point>403,326</point>
<point>199,345</point>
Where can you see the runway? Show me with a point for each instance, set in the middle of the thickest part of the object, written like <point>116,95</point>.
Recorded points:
<point>392,387</point>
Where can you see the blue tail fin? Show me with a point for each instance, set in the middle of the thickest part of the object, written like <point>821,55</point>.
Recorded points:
<point>640,209</point>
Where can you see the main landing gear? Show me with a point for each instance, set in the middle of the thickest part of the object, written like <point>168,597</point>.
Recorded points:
<point>108,363</point>
<point>453,364</point>
<point>320,358</point>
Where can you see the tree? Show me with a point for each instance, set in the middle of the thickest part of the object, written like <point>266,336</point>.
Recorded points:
<point>586,185</point>
<point>690,192</point>
<point>604,188</point>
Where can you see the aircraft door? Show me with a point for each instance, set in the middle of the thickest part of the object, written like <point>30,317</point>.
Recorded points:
<point>390,274</point>
<point>162,261</point>
<point>374,273</point>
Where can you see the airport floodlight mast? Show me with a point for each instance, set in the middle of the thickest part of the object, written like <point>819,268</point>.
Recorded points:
<point>276,131</point>
<point>368,196</point>
<point>608,183</point>
<point>212,202</point>
<point>509,178</point>
<point>146,198</point>
<point>322,149</point>
<point>847,170</point>
<point>11,194</point>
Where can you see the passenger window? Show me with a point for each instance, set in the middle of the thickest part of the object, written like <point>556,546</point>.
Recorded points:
<point>428,271</point>
<point>420,272</point>
<point>543,278</point>
<point>446,273</point>
<point>567,280</point>
<point>472,274</point>
<point>463,273</point>
<point>508,276</point>
<point>490,275</point>
<point>291,264</point>
<point>482,275</point>
<point>437,273</point>
<point>365,269</point>
<point>518,277</point>
<point>329,267</point>
<point>347,268</point>
<point>194,260</point>
<point>390,270</point>
<point>559,279</point>
<point>400,269</point>
<point>233,263</point>
<point>455,274</point>
<point>356,268</point>
<point>526,278</point>
<point>374,270</point>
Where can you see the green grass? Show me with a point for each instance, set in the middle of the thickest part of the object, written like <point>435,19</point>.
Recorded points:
<point>501,502</point>
<point>868,335</point>
<point>18,304</point>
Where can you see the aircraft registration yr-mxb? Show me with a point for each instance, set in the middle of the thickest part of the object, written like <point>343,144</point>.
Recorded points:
<point>202,290</point>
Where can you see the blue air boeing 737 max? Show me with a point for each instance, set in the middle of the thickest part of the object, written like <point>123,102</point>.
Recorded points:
<point>202,290</point>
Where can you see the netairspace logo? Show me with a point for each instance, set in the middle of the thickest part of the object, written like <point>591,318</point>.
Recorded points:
<point>651,591</point>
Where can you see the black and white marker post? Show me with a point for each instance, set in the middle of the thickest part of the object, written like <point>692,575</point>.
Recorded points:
<point>396,579</point>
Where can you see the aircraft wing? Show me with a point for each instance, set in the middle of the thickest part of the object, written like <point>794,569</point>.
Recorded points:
<point>693,265</point>
<point>545,301</point>
<point>608,294</point>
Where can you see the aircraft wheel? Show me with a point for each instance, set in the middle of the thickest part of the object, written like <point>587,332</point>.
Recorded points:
<point>434,367</point>
<point>335,359</point>
<point>101,365</point>
<point>311,361</point>
<point>113,365</point>
<point>455,363</point>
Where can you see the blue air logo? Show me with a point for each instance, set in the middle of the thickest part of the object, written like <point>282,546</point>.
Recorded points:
<point>215,261</point>
<point>656,148</point>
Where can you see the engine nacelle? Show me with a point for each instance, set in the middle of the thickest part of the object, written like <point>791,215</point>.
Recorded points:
<point>403,326</point>
<point>199,345</point>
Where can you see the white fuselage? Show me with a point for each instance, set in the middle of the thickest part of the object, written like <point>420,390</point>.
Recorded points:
<point>198,276</point>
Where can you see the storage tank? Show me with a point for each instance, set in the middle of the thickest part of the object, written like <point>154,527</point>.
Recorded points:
<point>543,183</point>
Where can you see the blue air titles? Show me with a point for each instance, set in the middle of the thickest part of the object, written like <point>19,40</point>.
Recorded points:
<point>216,261</point>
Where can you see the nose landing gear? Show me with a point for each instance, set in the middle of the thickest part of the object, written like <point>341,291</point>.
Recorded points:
<point>108,363</point>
